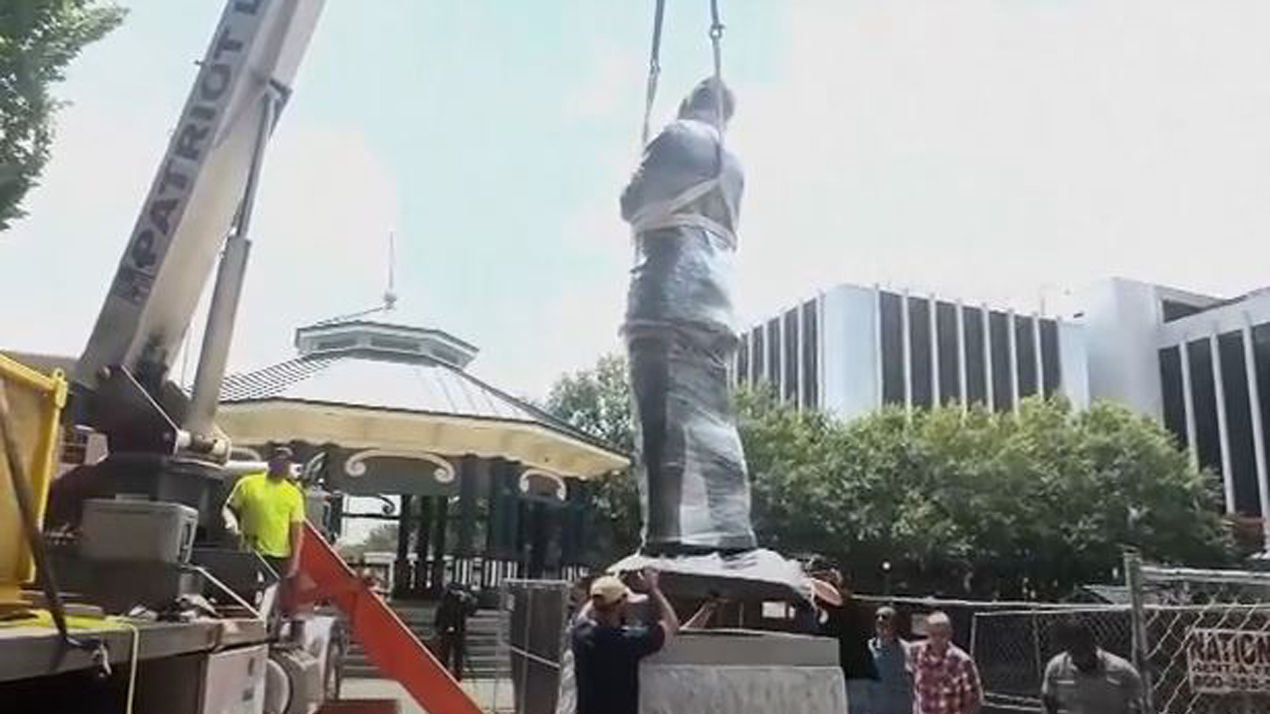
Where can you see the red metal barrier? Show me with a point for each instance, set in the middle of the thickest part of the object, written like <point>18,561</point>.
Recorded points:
<point>389,644</point>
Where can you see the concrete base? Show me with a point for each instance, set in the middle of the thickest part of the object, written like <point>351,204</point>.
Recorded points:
<point>743,672</point>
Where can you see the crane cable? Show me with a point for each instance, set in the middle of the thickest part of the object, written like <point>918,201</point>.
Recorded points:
<point>716,42</point>
<point>654,69</point>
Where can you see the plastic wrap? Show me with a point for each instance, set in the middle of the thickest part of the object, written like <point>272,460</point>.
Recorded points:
<point>758,574</point>
<point>680,335</point>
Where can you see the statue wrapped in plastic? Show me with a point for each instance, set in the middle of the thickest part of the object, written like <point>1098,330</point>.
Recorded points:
<point>681,335</point>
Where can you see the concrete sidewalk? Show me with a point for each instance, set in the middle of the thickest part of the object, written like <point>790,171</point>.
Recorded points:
<point>490,695</point>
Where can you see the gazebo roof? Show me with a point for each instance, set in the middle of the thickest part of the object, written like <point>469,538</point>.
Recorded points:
<point>377,385</point>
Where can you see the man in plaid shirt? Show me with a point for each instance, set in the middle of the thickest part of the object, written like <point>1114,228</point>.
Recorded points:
<point>945,679</point>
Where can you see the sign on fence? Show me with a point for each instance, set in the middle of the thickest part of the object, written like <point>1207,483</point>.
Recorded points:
<point>1223,661</point>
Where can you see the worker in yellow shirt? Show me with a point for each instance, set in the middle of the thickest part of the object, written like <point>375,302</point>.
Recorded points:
<point>266,510</point>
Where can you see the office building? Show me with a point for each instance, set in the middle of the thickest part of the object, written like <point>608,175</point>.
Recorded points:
<point>852,349</point>
<point>1199,364</point>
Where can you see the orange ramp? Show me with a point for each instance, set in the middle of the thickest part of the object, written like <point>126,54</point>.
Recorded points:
<point>389,644</point>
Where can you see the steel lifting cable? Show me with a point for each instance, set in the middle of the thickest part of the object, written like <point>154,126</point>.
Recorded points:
<point>654,69</point>
<point>716,42</point>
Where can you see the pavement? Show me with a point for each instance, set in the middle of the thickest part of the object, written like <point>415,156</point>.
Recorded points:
<point>490,695</point>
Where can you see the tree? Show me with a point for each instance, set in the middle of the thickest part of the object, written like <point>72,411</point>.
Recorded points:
<point>986,504</point>
<point>38,39</point>
<point>597,401</point>
<point>382,538</point>
<point>975,503</point>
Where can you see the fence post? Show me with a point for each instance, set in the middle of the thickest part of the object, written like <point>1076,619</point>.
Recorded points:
<point>1137,618</point>
<point>1036,646</point>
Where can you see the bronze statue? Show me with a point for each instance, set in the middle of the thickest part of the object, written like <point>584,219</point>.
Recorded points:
<point>681,335</point>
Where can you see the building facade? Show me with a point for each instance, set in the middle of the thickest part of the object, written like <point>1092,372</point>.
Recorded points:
<point>851,350</point>
<point>1198,363</point>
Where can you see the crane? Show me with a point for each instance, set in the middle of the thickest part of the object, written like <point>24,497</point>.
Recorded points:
<point>163,442</point>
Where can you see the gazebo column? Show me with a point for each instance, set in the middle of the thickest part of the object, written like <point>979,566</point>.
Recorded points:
<point>493,521</point>
<point>509,538</point>
<point>539,539</point>
<point>438,544</point>
<point>571,525</point>
<point>469,473</point>
<point>522,543</point>
<point>422,543</point>
<point>401,569</point>
<point>504,518</point>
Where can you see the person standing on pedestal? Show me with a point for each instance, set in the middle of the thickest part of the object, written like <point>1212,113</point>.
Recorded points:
<point>680,333</point>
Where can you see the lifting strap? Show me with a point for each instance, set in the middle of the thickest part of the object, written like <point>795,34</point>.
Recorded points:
<point>716,42</point>
<point>666,214</point>
<point>654,69</point>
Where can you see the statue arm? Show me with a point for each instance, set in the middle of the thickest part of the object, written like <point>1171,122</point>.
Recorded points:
<point>669,166</point>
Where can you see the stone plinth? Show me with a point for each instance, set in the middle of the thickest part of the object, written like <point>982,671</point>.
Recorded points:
<point>743,672</point>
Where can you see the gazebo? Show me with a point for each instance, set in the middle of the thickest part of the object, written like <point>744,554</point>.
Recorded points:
<point>488,486</point>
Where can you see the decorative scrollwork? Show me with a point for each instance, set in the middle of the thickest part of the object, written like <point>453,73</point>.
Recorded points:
<point>562,491</point>
<point>355,466</point>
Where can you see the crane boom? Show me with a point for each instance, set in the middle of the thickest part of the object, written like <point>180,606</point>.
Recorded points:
<point>197,192</point>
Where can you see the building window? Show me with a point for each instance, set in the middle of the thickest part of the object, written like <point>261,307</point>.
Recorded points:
<point>919,350</point>
<point>791,338</point>
<point>1261,359</point>
<point>1025,353</point>
<point>1174,403</point>
<point>892,333</point>
<point>998,324</point>
<point>976,374</point>
<point>949,358</point>
<point>1174,310</point>
<point>1050,359</point>
<point>811,356</point>
<point>760,356</point>
<point>774,353</point>
<point>743,361</point>
<point>1243,465</point>
<point>1204,401</point>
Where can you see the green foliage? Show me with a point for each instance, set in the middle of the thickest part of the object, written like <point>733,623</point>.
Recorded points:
<point>597,402</point>
<point>979,503</point>
<point>382,538</point>
<point>38,39</point>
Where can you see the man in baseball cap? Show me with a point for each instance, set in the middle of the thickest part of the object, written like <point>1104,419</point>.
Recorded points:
<point>606,651</point>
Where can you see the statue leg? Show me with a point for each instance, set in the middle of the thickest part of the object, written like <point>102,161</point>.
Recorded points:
<point>659,478</point>
<point>692,473</point>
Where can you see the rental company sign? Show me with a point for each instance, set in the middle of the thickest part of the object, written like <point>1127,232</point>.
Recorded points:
<point>1222,661</point>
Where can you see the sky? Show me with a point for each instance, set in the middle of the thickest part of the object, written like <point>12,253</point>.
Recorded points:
<point>1007,151</point>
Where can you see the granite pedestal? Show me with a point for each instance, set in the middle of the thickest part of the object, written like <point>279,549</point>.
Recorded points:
<point>743,672</point>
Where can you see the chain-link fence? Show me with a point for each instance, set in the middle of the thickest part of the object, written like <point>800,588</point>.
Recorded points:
<point>1013,646</point>
<point>1203,639</point>
<point>1011,642</point>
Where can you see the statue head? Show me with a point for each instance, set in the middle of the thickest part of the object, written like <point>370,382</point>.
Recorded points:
<point>702,103</point>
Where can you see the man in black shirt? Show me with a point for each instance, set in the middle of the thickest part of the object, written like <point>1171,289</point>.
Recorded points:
<point>606,651</point>
<point>849,623</point>
<point>451,626</point>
